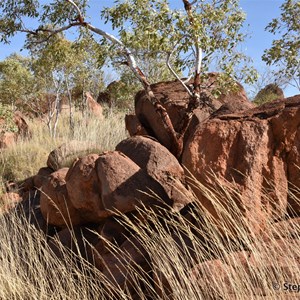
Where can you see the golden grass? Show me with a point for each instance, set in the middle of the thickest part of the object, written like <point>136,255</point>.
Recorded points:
<point>27,156</point>
<point>184,254</point>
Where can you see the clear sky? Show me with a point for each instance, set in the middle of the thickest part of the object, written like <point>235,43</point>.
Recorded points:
<point>259,14</point>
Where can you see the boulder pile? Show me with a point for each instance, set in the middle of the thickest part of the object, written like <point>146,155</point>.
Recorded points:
<point>248,156</point>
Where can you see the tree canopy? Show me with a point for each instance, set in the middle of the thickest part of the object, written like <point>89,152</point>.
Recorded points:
<point>195,37</point>
<point>285,51</point>
<point>148,29</point>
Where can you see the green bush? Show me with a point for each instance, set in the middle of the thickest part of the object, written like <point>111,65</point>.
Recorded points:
<point>7,123</point>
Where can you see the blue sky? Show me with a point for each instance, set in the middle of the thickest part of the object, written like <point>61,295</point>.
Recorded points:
<point>259,14</point>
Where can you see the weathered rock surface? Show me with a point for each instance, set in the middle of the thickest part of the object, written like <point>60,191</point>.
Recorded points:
<point>175,99</point>
<point>134,126</point>
<point>64,155</point>
<point>112,231</point>
<point>124,185</point>
<point>79,240</point>
<point>84,189</point>
<point>23,128</point>
<point>255,152</point>
<point>36,181</point>
<point>56,206</point>
<point>161,165</point>
<point>222,276</point>
<point>119,268</point>
<point>286,229</point>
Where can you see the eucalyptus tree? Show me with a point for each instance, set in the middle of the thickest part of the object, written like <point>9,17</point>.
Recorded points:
<point>284,53</point>
<point>193,36</point>
<point>53,65</point>
<point>64,69</point>
<point>16,80</point>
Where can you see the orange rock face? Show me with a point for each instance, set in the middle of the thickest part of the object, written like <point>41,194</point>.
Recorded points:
<point>255,152</point>
<point>84,189</point>
<point>93,107</point>
<point>56,206</point>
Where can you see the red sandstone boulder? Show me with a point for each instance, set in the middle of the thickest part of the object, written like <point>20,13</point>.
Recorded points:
<point>285,229</point>
<point>254,152</point>
<point>175,99</point>
<point>36,181</point>
<point>119,268</point>
<point>161,165</point>
<point>42,175</point>
<point>93,107</point>
<point>134,126</point>
<point>84,189</point>
<point>64,155</point>
<point>56,206</point>
<point>276,262</point>
<point>80,240</point>
<point>124,185</point>
<point>111,231</point>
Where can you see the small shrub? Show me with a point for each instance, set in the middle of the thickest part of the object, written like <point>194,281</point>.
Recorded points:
<point>7,123</point>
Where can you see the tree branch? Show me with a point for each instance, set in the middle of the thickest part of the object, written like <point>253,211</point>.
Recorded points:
<point>161,111</point>
<point>52,31</point>
<point>80,16</point>
<point>175,74</point>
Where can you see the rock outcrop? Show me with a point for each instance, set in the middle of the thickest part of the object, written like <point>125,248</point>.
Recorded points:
<point>255,152</point>
<point>231,193</point>
<point>93,106</point>
<point>161,165</point>
<point>23,128</point>
<point>125,186</point>
<point>175,98</point>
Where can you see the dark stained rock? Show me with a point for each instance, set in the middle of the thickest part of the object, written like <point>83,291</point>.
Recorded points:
<point>161,165</point>
<point>133,126</point>
<point>175,99</point>
<point>125,186</point>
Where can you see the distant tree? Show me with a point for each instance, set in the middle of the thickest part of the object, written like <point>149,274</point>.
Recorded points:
<point>16,80</point>
<point>285,51</point>
<point>66,69</point>
<point>204,31</point>
<point>7,123</point>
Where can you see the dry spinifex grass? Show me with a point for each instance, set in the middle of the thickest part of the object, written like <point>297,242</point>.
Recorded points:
<point>188,257</point>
